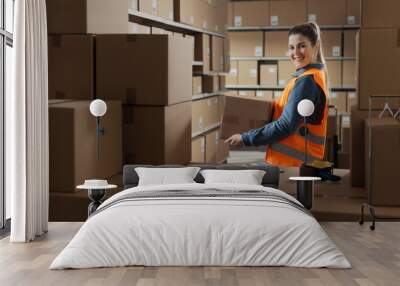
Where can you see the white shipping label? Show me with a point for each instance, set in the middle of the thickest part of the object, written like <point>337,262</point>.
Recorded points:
<point>345,120</point>
<point>352,95</point>
<point>200,123</point>
<point>259,93</point>
<point>312,18</point>
<point>274,20</point>
<point>282,82</point>
<point>154,4</point>
<point>336,51</point>
<point>233,72</point>
<point>272,69</point>
<point>253,72</point>
<point>351,20</point>
<point>242,92</point>
<point>258,51</point>
<point>238,21</point>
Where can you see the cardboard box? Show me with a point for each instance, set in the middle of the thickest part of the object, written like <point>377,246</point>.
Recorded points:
<point>276,44</point>
<point>327,12</point>
<point>149,6</point>
<point>247,73</point>
<point>212,142</point>
<point>221,104</point>
<point>166,9</point>
<point>265,95</point>
<point>332,43</point>
<point>353,11</point>
<point>71,61</point>
<point>345,140</point>
<point>185,10</point>
<point>269,74</point>
<point>229,8</point>
<point>222,150</point>
<point>197,85</point>
<point>144,69</point>
<point>198,150</point>
<point>288,12</point>
<point>210,83</point>
<point>139,29</point>
<point>349,74</point>
<point>227,56</point>
<point>232,77</point>
<point>349,48</point>
<point>247,93</point>
<point>205,114</point>
<point>334,72</point>
<point>164,132</point>
<point>242,114</point>
<point>381,170</point>
<point>352,100</point>
<point>203,50</point>
<point>375,14</point>
<point>339,100</point>
<point>251,13</point>
<point>248,44</point>
<point>376,75</point>
<point>222,82</point>
<point>73,144</point>
<point>285,72</point>
<point>357,147</point>
<point>89,16</point>
<point>217,53</point>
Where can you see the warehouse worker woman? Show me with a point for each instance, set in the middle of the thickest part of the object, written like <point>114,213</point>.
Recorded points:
<point>285,134</point>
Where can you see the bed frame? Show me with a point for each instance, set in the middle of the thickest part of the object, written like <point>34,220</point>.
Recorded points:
<point>270,179</point>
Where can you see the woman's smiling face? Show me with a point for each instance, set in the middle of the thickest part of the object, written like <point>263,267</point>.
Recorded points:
<point>301,51</point>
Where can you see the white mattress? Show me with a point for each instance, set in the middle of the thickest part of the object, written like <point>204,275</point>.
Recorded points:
<point>191,231</point>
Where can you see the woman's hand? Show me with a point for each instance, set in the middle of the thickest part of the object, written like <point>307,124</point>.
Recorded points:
<point>235,140</point>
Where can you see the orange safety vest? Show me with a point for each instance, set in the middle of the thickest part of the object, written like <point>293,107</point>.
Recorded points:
<point>290,151</point>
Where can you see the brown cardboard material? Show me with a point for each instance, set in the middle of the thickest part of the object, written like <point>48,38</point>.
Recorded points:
<point>334,72</point>
<point>212,142</point>
<point>144,69</point>
<point>251,13</point>
<point>149,6</point>
<point>222,82</point>
<point>381,170</point>
<point>229,8</point>
<point>343,160</point>
<point>268,74</point>
<point>210,83</point>
<point>247,73</point>
<point>349,74</point>
<point>265,95</point>
<point>339,100</point>
<point>376,75</point>
<point>352,100</point>
<point>205,114</point>
<point>353,11</point>
<point>375,14</point>
<point>222,150</point>
<point>288,12</point>
<point>327,12</point>
<point>221,104</point>
<point>232,77</point>
<point>276,44</point>
<point>331,128</point>
<point>203,50</point>
<point>197,85</point>
<point>345,140</point>
<point>166,9</point>
<point>227,57</point>
<point>217,53</point>
<point>332,43</point>
<point>349,48</point>
<point>184,11</point>
<point>243,114</point>
<point>198,150</point>
<point>71,61</point>
<point>73,144</point>
<point>329,152</point>
<point>164,131</point>
<point>357,147</point>
<point>285,72</point>
<point>247,44</point>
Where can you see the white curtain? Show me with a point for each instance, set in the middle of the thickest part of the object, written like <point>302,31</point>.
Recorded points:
<point>27,156</point>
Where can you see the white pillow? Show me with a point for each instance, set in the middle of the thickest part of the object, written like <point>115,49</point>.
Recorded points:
<point>248,177</point>
<point>163,176</point>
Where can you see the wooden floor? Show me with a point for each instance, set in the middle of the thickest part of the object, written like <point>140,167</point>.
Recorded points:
<point>374,255</point>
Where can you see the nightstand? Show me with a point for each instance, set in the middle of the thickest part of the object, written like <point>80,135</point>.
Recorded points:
<point>96,194</point>
<point>305,190</point>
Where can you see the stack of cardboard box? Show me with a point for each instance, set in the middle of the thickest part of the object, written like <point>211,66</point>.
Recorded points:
<point>379,33</point>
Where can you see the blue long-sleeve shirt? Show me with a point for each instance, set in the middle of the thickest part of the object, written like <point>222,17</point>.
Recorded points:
<point>304,88</point>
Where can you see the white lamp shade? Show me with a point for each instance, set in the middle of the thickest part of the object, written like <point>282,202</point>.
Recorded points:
<point>305,107</point>
<point>98,107</point>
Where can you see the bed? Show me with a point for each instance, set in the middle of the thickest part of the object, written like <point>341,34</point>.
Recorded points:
<point>201,224</point>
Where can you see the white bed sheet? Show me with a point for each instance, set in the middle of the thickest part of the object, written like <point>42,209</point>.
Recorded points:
<point>200,232</point>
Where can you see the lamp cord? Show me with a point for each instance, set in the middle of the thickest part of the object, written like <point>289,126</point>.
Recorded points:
<point>305,140</point>
<point>98,136</point>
